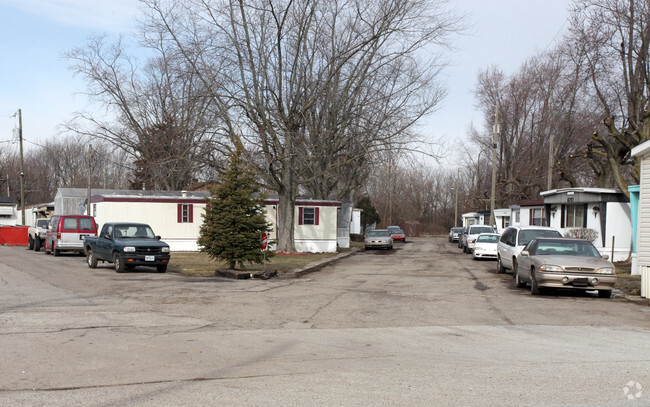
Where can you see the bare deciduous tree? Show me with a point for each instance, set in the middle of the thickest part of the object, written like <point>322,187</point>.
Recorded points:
<point>271,65</point>
<point>612,37</point>
<point>160,115</point>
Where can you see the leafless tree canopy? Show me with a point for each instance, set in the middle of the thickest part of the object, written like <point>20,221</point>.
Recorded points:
<point>159,114</point>
<point>310,88</point>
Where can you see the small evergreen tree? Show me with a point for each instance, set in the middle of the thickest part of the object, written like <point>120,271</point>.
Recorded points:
<point>235,217</point>
<point>369,215</point>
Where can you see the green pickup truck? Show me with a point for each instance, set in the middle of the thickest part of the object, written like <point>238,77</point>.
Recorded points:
<point>127,245</point>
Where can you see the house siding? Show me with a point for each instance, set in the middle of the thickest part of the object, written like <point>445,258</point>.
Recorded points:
<point>643,245</point>
<point>161,216</point>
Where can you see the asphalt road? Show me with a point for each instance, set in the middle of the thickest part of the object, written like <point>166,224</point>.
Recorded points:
<point>422,325</point>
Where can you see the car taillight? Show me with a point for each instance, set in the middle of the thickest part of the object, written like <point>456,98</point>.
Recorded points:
<point>58,235</point>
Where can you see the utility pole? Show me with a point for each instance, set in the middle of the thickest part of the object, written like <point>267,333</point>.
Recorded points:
<point>22,170</point>
<point>549,181</point>
<point>494,164</point>
<point>456,206</point>
<point>90,163</point>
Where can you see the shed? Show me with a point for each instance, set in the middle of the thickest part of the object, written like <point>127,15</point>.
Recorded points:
<point>8,212</point>
<point>607,211</point>
<point>315,228</point>
<point>176,216</point>
<point>72,201</point>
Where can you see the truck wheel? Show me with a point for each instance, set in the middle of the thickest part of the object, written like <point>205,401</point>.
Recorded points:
<point>91,259</point>
<point>162,269</point>
<point>118,263</point>
<point>37,244</point>
<point>30,243</point>
<point>55,251</point>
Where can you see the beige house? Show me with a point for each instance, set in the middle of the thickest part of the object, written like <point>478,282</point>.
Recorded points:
<point>315,229</point>
<point>176,216</point>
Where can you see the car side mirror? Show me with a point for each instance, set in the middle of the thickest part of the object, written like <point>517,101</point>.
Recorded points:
<point>525,253</point>
<point>606,256</point>
<point>158,237</point>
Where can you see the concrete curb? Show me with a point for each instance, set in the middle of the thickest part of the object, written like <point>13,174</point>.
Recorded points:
<point>317,265</point>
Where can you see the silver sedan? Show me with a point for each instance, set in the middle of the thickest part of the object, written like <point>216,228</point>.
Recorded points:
<point>564,263</point>
<point>378,238</point>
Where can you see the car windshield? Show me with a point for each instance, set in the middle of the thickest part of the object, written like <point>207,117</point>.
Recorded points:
<point>396,231</point>
<point>134,231</point>
<point>526,236</point>
<point>456,230</point>
<point>488,239</point>
<point>481,229</point>
<point>566,248</point>
<point>43,223</point>
<point>378,233</point>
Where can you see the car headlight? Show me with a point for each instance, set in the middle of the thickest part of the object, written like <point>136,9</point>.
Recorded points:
<point>550,267</point>
<point>605,270</point>
<point>165,249</point>
<point>129,249</point>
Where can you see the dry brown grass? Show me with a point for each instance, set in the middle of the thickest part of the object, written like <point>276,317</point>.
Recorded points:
<point>626,282</point>
<point>200,264</point>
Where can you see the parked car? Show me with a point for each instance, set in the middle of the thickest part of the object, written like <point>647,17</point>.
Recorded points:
<point>391,229</point>
<point>37,233</point>
<point>485,246</point>
<point>472,233</point>
<point>564,263</point>
<point>398,235</point>
<point>378,238</point>
<point>461,238</point>
<point>513,240</point>
<point>67,232</point>
<point>453,233</point>
<point>127,245</point>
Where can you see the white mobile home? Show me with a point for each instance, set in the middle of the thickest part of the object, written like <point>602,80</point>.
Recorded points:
<point>607,211</point>
<point>174,215</point>
<point>315,229</point>
<point>642,152</point>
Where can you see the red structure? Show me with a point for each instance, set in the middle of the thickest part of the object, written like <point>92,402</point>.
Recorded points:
<point>13,235</point>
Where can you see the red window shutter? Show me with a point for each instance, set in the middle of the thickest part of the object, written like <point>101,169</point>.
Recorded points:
<point>300,215</point>
<point>316,216</point>
<point>179,212</point>
<point>190,213</point>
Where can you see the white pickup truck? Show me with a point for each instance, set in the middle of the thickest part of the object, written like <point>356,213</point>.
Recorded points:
<point>37,234</point>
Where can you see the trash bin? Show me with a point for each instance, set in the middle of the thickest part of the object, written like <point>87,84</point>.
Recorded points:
<point>645,281</point>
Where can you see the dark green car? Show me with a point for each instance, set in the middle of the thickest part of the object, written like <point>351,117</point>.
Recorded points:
<point>127,245</point>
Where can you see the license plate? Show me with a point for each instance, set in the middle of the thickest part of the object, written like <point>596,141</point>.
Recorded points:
<point>580,282</point>
<point>81,237</point>
<point>149,258</point>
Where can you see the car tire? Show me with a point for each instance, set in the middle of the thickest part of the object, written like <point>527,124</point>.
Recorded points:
<point>605,293</point>
<point>30,243</point>
<point>518,282</point>
<point>91,260</point>
<point>55,251</point>
<point>118,263</point>
<point>534,288</point>
<point>37,244</point>
<point>500,268</point>
<point>514,266</point>
<point>162,269</point>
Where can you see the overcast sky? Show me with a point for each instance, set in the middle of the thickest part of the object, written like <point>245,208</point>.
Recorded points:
<point>35,78</point>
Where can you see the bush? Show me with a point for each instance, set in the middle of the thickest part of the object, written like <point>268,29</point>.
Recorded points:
<point>583,233</point>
